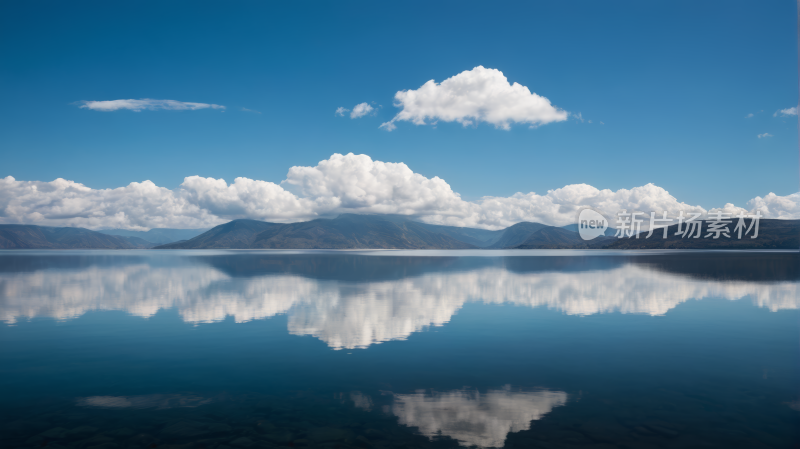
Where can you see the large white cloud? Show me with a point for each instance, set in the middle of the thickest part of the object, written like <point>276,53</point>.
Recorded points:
<point>246,198</point>
<point>357,183</point>
<point>147,104</point>
<point>774,206</point>
<point>139,205</point>
<point>472,96</point>
<point>340,184</point>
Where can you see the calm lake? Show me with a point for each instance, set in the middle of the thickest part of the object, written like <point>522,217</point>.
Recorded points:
<point>391,349</point>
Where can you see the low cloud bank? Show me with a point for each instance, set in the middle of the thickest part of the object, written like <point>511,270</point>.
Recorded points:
<point>341,184</point>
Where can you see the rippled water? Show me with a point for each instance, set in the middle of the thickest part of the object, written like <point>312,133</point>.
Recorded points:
<point>383,349</point>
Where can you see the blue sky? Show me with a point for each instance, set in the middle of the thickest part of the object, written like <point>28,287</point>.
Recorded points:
<point>672,83</point>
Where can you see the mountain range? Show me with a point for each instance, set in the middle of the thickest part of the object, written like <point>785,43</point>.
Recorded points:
<point>46,237</point>
<point>157,236</point>
<point>772,234</point>
<point>351,231</point>
<point>347,231</point>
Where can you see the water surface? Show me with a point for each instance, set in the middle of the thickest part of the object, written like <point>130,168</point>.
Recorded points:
<point>251,349</point>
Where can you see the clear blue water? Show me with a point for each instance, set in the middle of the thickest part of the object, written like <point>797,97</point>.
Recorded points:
<point>389,349</point>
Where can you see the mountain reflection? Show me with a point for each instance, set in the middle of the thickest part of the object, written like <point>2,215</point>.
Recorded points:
<point>356,301</point>
<point>474,418</point>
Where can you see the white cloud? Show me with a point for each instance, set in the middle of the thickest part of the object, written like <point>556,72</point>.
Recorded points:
<point>357,183</point>
<point>245,198</point>
<point>250,110</point>
<point>762,136</point>
<point>786,112</point>
<point>388,126</point>
<point>472,96</point>
<point>750,115</point>
<point>340,184</point>
<point>774,206</point>
<point>361,110</point>
<point>139,205</point>
<point>146,104</point>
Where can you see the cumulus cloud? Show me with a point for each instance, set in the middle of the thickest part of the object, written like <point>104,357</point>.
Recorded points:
<point>765,135</point>
<point>473,96</point>
<point>361,110</point>
<point>357,183</point>
<point>139,205</point>
<point>341,184</point>
<point>774,206</point>
<point>146,104</point>
<point>786,112</point>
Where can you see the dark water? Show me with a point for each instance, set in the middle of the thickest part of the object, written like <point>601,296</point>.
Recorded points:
<point>549,349</point>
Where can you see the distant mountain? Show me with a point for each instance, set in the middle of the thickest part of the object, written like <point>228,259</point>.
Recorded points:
<point>481,238</point>
<point>237,234</point>
<point>509,237</point>
<point>551,237</point>
<point>516,235</point>
<point>157,236</point>
<point>772,234</point>
<point>46,237</point>
<point>137,242</point>
<point>349,231</point>
<point>574,228</point>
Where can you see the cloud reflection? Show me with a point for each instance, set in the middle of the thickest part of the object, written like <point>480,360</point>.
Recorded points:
<point>348,314</point>
<point>156,401</point>
<point>474,418</point>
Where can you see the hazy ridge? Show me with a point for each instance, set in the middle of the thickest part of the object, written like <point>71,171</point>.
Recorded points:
<point>350,231</point>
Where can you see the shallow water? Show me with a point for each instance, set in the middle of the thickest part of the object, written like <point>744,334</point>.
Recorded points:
<point>383,349</point>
